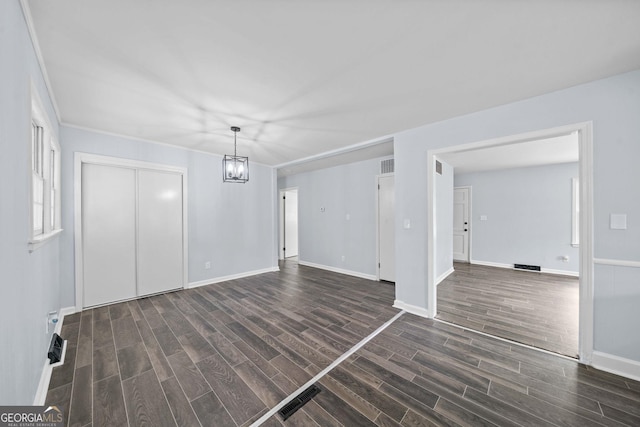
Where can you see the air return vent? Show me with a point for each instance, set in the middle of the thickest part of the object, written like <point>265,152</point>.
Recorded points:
<point>298,402</point>
<point>438,167</point>
<point>526,267</point>
<point>386,166</point>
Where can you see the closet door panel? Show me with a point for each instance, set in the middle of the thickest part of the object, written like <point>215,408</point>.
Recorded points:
<point>160,232</point>
<point>108,234</point>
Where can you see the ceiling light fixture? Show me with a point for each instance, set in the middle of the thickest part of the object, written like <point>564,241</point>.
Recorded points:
<point>235,168</point>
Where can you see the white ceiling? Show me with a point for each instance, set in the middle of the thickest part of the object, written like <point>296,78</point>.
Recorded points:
<point>561,149</point>
<point>307,77</point>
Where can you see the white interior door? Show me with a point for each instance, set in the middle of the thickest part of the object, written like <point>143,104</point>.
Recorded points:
<point>291,223</point>
<point>160,239</point>
<point>461,224</point>
<point>386,228</point>
<point>108,234</point>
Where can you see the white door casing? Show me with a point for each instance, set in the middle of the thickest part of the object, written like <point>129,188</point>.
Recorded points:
<point>461,223</point>
<point>584,131</point>
<point>386,228</point>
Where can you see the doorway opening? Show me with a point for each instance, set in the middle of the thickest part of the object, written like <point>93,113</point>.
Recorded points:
<point>289,224</point>
<point>386,228</point>
<point>514,144</point>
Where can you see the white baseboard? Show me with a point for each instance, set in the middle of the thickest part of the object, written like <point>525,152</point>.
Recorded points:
<point>444,275</point>
<point>47,369</point>
<point>339,270</point>
<point>413,309</point>
<point>616,365</point>
<point>560,272</point>
<point>510,267</point>
<point>231,277</point>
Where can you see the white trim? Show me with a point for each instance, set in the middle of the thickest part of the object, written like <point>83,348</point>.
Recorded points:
<point>326,370</point>
<point>444,275</point>
<point>26,12</point>
<point>558,272</point>
<point>150,141</point>
<point>575,212</point>
<point>413,309</point>
<point>584,131</point>
<point>506,340</point>
<point>342,150</point>
<point>230,277</point>
<point>432,293</point>
<point>47,369</point>
<point>79,159</point>
<point>617,262</point>
<point>491,264</point>
<point>542,269</point>
<point>616,365</point>
<point>339,270</point>
<point>585,176</point>
<point>41,239</point>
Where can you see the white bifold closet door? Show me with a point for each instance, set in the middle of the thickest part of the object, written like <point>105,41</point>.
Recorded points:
<point>132,233</point>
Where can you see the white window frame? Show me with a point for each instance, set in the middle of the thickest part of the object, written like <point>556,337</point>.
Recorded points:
<point>44,176</point>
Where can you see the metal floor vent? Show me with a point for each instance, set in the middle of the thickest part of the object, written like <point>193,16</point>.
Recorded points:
<point>298,402</point>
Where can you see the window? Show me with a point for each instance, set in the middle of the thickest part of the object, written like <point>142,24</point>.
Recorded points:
<point>45,177</point>
<point>575,212</point>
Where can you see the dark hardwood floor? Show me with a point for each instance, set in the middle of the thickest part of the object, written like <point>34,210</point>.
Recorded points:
<point>225,354</point>
<point>536,309</point>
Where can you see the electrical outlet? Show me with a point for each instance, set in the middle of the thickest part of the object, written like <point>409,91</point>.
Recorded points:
<point>207,265</point>
<point>343,258</point>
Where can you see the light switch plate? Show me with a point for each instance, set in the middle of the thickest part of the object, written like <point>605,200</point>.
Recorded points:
<point>483,217</point>
<point>618,221</point>
<point>407,223</point>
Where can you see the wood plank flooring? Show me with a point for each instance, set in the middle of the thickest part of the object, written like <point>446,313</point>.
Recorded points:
<point>224,354</point>
<point>536,309</point>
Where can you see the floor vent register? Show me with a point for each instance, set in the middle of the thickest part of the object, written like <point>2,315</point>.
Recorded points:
<point>298,402</point>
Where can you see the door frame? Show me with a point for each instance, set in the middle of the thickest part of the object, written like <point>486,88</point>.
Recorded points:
<point>281,219</point>
<point>95,159</point>
<point>377,190</point>
<point>584,132</point>
<point>470,216</point>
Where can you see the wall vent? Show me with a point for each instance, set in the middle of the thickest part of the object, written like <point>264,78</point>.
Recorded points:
<point>526,267</point>
<point>387,166</point>
<point>438,167</point>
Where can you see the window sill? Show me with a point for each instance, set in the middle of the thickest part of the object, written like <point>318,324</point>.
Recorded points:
<point>40,240</point>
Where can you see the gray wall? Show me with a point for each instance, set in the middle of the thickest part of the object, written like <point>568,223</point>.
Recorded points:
<point>230,225</point>
<point>444,220</point>
<point>29,282</point>
<point>528,216</point>
<point>613,105</point>
<point>324,237</point>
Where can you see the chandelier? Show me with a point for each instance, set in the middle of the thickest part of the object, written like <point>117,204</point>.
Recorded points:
<point>235,168</point>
